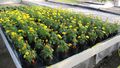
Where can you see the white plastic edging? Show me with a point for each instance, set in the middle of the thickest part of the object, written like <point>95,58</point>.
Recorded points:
<point>85,55</point>
<point>17,63</point>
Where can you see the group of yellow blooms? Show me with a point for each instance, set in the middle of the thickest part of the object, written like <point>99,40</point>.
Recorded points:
<point>69,29</point>
<point>10,20</point>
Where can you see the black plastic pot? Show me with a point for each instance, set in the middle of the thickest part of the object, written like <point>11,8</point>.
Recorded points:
<point>26,64</point>
<point>98,40</point>
<point>47,61</point>
<point>73,51</point>
<point>91,43</point>
<point>62,55</point>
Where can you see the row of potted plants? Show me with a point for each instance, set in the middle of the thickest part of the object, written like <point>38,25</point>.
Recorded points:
<point>18,24</point>
<point>8,19</point>
<point>46,36</point>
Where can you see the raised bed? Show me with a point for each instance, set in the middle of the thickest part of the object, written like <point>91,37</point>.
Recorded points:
<point>33,52</point>
<point>86,59</point>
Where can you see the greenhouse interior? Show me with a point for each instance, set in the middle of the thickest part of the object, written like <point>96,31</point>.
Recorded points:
<point>59,33</point>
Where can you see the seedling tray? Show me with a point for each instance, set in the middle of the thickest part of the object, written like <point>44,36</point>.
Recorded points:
<point>87,58</point>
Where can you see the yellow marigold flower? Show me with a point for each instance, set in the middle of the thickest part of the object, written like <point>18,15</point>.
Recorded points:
<point>1,19</point>
<point>74,19</point>
<point>13,33</point>
<point>61,17</point>
<point>80,24</point>
<point>27,53</point>
<point>24,46</point>
<point>74,40</point>
<point>46,40</point>
<point>45,27</point>
<point>55,20</point>
<point>47,46</point>
<point>32,22</point>
<point>75,29</point>
<point>58,14</point>
<point>39,20</point>
<point>52,50</point>
<point>20,31</point>
<point>18,17</point>
<point>7,31</point>
<point>103,28</point>
<point>19,49</point>
<point>69,44</point>
<point>74,46</point>
<point>70,26</point>
<point>21,21</point>
<point>56,31</point>
<point>31,18</point>
<point>63,33</point>
<point>66,27</point>
<point>71,17</point>
<point>95,27</point>
<point>59,36</point>
<point>25,16</point>
<point>31,29</point>
<point>87,36</point>
<point>20,38</point>
<point>61,25</point>
<point>78,36</point>
<point>36,29</point>
<point>68,19</point>
<point>86,26</point>
<point>104,32</point>
<point>24,56</point>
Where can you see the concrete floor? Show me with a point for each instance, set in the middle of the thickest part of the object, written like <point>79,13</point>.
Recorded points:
<point>5,58</point>
<point>113,9</point>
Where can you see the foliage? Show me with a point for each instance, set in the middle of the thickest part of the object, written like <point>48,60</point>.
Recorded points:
<point>42,31</point>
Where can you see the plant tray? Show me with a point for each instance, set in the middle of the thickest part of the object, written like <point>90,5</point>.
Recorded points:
<point>86,59</point>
